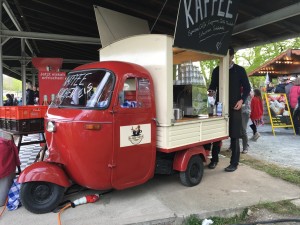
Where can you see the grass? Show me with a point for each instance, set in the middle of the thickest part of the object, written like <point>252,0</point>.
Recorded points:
<point>284,173</point>
<point>194,220</point>
<point>282,207</point>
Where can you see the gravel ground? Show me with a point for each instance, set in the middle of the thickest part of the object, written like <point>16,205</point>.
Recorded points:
<point>282,149</point>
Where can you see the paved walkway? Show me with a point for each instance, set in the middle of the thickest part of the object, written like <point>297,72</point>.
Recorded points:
<point>164,200</point>
<point>282,149</point>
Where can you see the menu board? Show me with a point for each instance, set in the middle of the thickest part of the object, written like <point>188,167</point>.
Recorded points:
<point>205,25</point>
<point>279,111</point>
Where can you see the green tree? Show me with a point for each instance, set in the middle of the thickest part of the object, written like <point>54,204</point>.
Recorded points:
<point>252,58</point>
<point>11,84</point>
<point>206,68</point>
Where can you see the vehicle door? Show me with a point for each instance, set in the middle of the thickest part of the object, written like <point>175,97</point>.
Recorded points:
<point>134,133</point>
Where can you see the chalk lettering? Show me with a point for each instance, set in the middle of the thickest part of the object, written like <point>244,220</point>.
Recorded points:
<point>198,10</point>
<point>220,8</point>
<point>205,7</point>
<point>213,7</point>
<point>187,13</point>
<point>220,13</point>
<point>89,87</point>
<point>228,15</point>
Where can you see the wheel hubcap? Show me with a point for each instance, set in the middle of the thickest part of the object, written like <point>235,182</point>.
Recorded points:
<point>194,171</point>
<point>41,193</point>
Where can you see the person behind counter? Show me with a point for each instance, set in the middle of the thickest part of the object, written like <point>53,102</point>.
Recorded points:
<point>237,79</point>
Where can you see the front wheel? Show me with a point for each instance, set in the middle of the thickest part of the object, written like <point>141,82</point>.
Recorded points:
<point>193,173</point>
<point>41,197</point>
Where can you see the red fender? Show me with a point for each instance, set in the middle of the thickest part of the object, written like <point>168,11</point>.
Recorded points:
<point>43,171</point>
<point>182,158</point>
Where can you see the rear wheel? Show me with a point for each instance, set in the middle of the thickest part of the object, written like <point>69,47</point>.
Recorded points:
<point>41,197</point>
<point>193,173</point>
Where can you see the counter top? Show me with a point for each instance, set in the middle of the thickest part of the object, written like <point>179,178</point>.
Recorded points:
<point>197,119</point>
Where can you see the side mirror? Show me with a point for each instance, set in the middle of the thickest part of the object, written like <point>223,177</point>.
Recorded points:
<point>121,97</point>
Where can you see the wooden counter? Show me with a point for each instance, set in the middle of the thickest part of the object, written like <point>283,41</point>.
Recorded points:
<point>189,131</point>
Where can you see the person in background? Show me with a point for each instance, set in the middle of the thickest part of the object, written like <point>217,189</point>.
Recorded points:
<point>296,117</point>
<point>246,110</point>
<point>270,87</point>
<point>20,102</point>
<point>237,79</point>
<point>280,88</point>
<point>29,94</point>
<point>293,98</point>
<point>15,100</point>
<point>289,85</point>
<point>9,100</point>
<point>288,89</point>
<point>256,113</point>
<point>36,94</point>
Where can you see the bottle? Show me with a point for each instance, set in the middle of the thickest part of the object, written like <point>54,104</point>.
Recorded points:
<point>45,102</point>
<point>52,98</point>
<point>210,110</point>
<point>219,109</point>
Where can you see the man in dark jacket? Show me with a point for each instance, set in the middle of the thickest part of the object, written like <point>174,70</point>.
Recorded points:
<point>280,88</point>
<point>237,79</point>
<point>29,94</point>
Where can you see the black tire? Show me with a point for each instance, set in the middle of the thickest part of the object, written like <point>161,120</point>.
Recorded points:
<point>41,197</point>
<point>194,172</point>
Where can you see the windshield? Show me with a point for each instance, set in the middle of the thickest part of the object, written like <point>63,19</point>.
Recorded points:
<point>88,88</point>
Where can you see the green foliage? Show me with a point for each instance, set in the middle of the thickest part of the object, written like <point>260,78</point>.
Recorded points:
<point>194,220</point>
<point>284,207</point>
<point>12,85</point>
<point>287,174</point>
<point>206,68</point>
<point>252,58</point>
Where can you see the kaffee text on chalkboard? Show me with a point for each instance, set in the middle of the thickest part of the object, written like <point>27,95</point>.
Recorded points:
<point>205,25</point>
<point>202,10</point>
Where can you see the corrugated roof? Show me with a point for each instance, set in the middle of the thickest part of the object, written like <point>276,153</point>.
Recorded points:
<point>258,22</point>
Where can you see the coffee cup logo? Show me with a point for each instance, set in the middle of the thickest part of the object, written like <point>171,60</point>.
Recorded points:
<point>136,136</point>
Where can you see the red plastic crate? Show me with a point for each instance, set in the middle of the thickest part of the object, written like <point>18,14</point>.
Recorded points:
<point>7,112</point>
<point>18,113</point>
<point>44,109</point>
<point>2,112</point>
<point>38,111</point>
<point>25,112</point>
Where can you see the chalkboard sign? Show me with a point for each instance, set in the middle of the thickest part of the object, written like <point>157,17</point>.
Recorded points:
<point>205,25</point>
<point>279,111</point>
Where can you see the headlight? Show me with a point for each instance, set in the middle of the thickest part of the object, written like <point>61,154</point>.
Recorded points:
<point>51,126</point>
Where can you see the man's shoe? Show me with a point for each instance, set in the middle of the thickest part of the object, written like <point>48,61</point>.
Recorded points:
<point>230,168</point>
<point>212,165</point>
